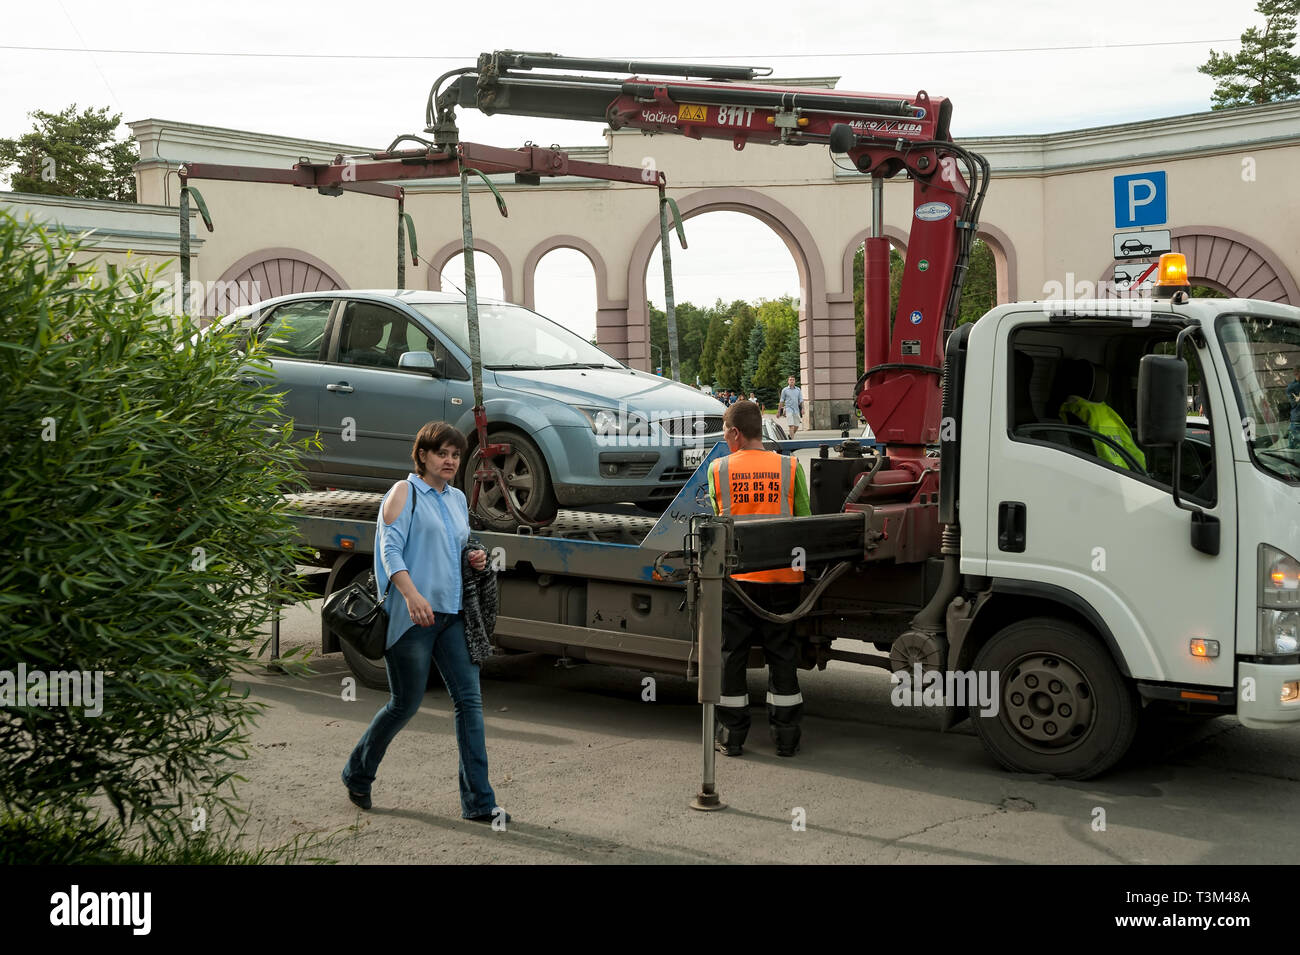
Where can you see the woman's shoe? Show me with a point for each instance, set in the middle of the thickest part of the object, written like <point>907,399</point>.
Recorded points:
<point>359,799</point>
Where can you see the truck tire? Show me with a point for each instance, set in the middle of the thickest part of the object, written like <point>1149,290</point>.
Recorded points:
<point>528,480</point>
<point>1062,706</point>
<point>373,673</point>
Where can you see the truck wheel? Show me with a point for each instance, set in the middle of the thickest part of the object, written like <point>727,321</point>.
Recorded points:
<point>373,673</point>
<point>1062,706</point>
<point>528,482</point>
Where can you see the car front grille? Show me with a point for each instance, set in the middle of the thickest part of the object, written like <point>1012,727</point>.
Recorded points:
<point>676,474</point>
<point>692,426</point>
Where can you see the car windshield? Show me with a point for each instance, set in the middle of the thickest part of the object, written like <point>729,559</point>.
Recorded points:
<point>1263,354</point>
<point>513,337</point>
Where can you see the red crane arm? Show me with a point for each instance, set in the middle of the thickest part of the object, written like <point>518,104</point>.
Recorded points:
<point>899,394</point>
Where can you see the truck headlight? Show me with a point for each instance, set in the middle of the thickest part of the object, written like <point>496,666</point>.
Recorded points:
<point>1279,631</point>
<point>1279,602</point>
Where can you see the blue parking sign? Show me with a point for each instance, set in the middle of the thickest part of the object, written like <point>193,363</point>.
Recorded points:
<point>1140,199</point>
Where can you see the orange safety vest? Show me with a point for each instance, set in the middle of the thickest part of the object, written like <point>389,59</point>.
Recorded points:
<point>757,483</point>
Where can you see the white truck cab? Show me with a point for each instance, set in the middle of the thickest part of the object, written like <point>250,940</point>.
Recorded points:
<point>1180,560</point>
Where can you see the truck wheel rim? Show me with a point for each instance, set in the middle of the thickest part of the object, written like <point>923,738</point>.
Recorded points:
<point>1047,702</point>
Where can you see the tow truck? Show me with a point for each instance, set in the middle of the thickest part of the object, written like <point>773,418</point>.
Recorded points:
<point>1093,576</point>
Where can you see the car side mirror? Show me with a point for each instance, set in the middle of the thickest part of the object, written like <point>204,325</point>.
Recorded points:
<point>1162,400</point>
<point>418,360</point>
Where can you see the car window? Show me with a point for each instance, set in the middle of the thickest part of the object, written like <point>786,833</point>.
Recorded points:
<point>297,329</point>
<point>417,339</point>
<point>514,337</point>
<point>371,334</point>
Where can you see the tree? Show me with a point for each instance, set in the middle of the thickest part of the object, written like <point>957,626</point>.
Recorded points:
<point>717,331</point>
<point>790,361</point>
<point>979,292</point>
<point>72,154</point>
<point>150,540</point>
<point>753,351</point>
<point>1265,69</point>
<point>730,363</point>
<point>780,321</point>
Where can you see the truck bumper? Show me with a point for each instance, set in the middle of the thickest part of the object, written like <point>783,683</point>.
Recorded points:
<point>1266,710</point>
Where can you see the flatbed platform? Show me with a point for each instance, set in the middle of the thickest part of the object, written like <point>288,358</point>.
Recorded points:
<point>330,509</point>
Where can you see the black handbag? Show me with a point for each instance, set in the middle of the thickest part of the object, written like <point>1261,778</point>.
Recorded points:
<point>357,614</point>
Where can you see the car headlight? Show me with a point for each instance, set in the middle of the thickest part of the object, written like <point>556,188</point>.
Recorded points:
<point>615,422</point>
<point>1279,602</point>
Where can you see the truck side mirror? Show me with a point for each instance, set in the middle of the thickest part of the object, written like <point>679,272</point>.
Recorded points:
<point>1162,400</point>
<point>418,360</point>
<point>1162,420</point>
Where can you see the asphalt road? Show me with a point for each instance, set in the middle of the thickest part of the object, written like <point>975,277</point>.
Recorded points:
<point>593,773</point>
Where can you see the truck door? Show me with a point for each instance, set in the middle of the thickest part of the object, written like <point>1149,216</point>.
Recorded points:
<point>371,409</point>
<point>1091,522</point>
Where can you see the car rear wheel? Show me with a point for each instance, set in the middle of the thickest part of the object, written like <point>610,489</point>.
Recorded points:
<point>527,482</point>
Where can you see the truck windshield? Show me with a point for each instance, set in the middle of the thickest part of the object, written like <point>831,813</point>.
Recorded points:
<point>514,337</point>
<point>1263,354</point>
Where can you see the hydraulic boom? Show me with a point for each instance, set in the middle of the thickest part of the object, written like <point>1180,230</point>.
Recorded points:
<point>882,135</point>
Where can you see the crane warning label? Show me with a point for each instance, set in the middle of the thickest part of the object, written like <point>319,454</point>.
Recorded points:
<point>688,113</point>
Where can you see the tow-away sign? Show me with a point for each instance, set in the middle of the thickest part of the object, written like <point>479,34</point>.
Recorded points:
<point>1135,276</point>
<point>1137,245</point>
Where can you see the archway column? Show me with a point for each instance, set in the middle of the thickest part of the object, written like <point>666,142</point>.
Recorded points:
<point>834,337</point>
<point>612,332</point>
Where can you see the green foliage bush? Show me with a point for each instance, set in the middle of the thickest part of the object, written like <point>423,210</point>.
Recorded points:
<point>145,537</point>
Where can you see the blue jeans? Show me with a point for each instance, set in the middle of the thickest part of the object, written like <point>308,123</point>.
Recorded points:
<point>408,673</point>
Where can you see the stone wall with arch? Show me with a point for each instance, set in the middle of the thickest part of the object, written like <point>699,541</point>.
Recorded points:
<point>268,273</point>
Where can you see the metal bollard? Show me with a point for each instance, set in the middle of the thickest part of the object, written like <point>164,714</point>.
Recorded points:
<point>713,538</point>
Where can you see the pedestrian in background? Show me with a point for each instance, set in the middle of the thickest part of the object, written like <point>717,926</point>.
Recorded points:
<point>422,527</point>
<point>790,406</point>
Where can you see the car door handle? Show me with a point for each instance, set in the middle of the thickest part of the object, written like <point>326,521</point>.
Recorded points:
<point>341,386</point>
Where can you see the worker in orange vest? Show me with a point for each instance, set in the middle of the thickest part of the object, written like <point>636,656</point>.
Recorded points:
<point>749,481</point>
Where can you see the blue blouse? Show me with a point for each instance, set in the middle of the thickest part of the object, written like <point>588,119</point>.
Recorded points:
<point>427,544</point>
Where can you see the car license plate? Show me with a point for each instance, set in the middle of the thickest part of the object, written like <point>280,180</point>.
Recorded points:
<point>691,457</point>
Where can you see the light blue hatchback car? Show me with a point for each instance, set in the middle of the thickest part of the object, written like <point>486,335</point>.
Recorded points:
<point>366,369</point>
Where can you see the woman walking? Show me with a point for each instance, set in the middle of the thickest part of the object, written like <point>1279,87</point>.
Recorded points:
<point>423,526</point>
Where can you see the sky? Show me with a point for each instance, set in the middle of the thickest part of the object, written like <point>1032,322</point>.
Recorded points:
<point>352,74</point>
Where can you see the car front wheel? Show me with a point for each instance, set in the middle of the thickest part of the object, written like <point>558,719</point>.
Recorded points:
<point>527,483</point>
<point>1062,707</point>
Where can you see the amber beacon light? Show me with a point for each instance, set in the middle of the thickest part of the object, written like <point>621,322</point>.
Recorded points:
<point>1171,275</point>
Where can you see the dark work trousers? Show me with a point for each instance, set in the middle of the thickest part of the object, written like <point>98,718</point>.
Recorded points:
<point>741,630</point>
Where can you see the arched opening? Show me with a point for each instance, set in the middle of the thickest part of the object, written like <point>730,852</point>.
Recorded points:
<point>999,264</point>
<point>489,281</point>
<point>738,301</point>
<point>825,336</point>
<point>564,280</point>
